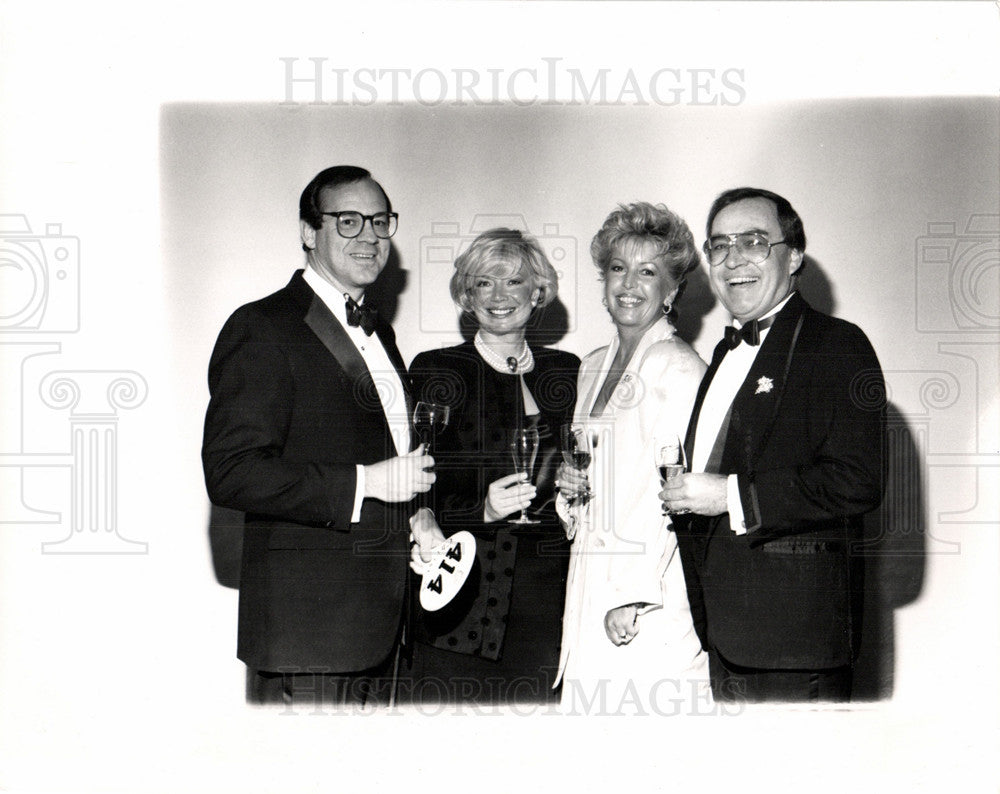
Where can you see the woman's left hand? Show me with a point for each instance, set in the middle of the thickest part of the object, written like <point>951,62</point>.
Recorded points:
<point>508,495</point>
<point>622,624</point>
<point>570,481</point>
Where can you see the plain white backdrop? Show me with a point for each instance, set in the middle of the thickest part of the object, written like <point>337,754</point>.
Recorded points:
<point>160,140</point>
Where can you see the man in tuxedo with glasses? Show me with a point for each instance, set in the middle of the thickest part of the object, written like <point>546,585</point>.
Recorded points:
<point>308,433</point>
<point>786,444</point>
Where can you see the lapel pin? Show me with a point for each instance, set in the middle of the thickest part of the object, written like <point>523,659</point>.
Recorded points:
<point>764,385</point>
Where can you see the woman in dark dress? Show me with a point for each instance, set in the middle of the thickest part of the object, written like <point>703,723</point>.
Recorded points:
<point>498,640</point>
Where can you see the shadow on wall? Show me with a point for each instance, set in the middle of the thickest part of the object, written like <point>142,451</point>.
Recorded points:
<point>815,286</point>
<point>694,304</point>
<point>894,556</point>
<point>391,283</point>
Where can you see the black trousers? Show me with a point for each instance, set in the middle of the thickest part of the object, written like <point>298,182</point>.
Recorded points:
<point>733,683</point>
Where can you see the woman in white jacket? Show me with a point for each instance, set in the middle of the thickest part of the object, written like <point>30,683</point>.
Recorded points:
<point>628,643</point>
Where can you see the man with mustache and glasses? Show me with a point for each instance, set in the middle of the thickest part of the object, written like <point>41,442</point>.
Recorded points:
<point>786,444</point>
<point>308,433</point>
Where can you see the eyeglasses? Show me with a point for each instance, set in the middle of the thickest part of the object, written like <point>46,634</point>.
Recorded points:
<point>350,224</point>
<point>753,247</point>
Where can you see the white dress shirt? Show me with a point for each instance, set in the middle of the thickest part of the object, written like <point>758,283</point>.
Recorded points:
<point>387,382</point>
<point>720,395</point>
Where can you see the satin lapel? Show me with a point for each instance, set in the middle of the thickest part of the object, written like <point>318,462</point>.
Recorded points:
<point>700,528</point>
<point>388,340</point>
<point>387,337</point>
<point>717,355</point>
<point>756,403</point>
<point>335,339</point>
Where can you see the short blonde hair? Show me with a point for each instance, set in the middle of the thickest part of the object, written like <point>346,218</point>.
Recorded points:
<point>644,221</point>
<point>499,246</point>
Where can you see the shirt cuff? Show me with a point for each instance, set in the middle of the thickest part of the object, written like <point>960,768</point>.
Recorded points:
<point>737,521</point>
<point>359,494</point>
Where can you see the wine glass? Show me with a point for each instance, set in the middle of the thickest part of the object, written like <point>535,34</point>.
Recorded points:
<point>668,457</point>
<point>429,419</point>
<point>576,452</point>
<point>524,449</point>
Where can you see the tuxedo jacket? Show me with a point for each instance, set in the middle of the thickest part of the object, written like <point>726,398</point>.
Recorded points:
<point>293,410</point>
<point>806,441</point>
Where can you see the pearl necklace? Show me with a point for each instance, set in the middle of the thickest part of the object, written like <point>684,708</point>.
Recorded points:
<point>524,362</point>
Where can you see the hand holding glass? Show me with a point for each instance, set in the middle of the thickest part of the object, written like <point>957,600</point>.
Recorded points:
<point>429,419</point>
<point>577,453</point>
<point>524,449</point>
<point>668,457</point>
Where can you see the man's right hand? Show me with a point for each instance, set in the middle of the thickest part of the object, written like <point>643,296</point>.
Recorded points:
<point>400,479</point>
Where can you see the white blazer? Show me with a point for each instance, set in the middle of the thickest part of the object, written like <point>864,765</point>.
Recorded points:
<point>624,551</point>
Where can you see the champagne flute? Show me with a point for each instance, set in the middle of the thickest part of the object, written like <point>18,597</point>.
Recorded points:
<point>429,419</point>
<point>669,458</point>
<point>524,449</point>
<point>576,452</point>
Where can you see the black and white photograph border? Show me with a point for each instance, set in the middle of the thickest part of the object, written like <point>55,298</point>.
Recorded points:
<point>152,162</point>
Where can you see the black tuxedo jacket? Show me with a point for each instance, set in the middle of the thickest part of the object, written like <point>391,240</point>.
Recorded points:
<point>293,409</point>
<point>806,440</point>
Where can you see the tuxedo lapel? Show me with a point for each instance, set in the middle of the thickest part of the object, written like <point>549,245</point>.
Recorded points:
<point>387,337</point>
<point>697,528</point>
<point>717,355</point>
<point>755,406</point>
<point>331,333</point>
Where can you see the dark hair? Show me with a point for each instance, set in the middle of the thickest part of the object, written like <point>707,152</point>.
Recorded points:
<point>644,221</point>
<point>502,246</point>
<point>332,177</point>
<point>788,219</point>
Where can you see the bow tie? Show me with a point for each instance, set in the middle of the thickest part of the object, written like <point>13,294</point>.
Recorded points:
<point>749,332</point>
<point>363,316</point>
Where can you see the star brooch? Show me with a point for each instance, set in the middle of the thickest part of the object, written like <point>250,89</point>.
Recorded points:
<point>764,385</point>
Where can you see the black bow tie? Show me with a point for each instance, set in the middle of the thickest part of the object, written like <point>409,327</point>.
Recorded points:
<point>749,332</point>
<point>363,316</point>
